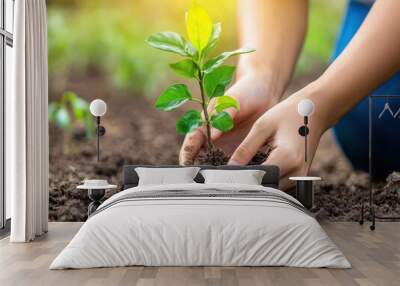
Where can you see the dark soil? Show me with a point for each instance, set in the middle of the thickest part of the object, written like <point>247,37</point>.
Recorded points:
<point>139,134</point>
<point>136,133</point>
<point>217,157</point>
<point>339,196</point>
<point>343,202</point>
<point>213,157</point>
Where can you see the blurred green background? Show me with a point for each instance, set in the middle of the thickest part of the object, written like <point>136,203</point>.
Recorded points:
<point>108,37</point>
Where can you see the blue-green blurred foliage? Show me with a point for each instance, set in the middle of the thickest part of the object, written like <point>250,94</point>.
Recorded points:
<point>71,109</point>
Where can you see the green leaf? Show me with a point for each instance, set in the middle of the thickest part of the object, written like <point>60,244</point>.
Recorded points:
<point>199,26</point>
<point>79,106</point>
<point>171,42</point>
<point>189,122</point>
<point>186,68</point>
<point>69,96</point>
<point>173,97</point>
<point>89,126</point>
<point>219,60</point>
<point>217,80</point>
<point>53,107</point>
<point>213,40</point>
<point>224,102</point>
<point>62,118</point>
<point>190,50</point>
<point>222,121</point>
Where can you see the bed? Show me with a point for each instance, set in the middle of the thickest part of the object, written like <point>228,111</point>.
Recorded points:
<point>201,224</point>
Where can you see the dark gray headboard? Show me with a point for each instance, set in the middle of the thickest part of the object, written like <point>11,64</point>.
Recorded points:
<point>271,177</point>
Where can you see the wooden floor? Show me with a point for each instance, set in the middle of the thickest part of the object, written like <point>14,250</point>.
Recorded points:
<point>375,257</point>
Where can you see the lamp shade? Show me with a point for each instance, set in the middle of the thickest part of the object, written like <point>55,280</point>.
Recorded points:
<point>305,107</point>
<point>98,107</point>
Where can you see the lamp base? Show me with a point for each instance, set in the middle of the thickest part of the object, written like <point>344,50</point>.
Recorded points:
<point>95,195</point>
<point>304,190</point>
<point>305,194</point>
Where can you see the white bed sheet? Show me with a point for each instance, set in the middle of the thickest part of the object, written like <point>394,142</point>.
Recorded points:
<point>200,231</point>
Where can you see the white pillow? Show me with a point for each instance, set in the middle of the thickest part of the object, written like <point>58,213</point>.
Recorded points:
<point>163,176</point>
<point>248,177</point>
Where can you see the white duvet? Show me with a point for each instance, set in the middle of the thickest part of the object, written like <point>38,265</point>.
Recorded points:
<point>200,231</point>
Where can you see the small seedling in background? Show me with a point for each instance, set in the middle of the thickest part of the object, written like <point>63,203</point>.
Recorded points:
<point>71,110</point>
<point>212,76</point>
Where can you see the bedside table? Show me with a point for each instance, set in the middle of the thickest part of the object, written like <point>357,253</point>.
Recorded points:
<point>304,190</point>
<point>96,190</point>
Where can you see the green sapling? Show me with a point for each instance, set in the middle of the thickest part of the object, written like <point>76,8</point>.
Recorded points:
<point>212,76</point>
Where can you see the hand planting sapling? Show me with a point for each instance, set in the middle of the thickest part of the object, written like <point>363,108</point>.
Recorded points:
<point>212,76</point>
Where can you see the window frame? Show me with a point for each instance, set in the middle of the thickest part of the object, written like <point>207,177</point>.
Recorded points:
<point>6,39</point>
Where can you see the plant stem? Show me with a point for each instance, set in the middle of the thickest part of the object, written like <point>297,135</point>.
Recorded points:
<point>206,117</point>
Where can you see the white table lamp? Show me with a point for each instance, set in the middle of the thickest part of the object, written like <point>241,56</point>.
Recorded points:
<point>305,108</point>
<point>98,108</point>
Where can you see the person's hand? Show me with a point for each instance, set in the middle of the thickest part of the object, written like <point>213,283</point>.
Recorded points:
<point>255,95</point>
<point>278,127</point>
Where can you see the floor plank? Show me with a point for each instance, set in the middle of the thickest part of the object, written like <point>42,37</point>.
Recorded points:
<point>375,257</point>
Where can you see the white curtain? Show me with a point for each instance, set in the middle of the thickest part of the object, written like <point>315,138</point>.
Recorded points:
<point>27,124</point>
